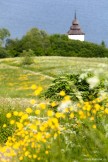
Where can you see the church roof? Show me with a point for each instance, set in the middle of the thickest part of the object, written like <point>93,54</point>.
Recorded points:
<point>75,28</point>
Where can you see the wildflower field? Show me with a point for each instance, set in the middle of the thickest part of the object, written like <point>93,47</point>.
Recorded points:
<point>34,128</point>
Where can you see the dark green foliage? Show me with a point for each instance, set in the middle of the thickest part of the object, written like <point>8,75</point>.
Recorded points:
<point>62,46</point>
<point>14,47</point>
<point>103,44</point>
<point>74,86</point>
<point>3,53</point>
<point>54,45</point>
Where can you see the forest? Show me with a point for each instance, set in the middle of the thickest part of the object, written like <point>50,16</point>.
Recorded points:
<point>39,43</point>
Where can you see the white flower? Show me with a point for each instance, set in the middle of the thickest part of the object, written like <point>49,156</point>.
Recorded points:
<point>64,105</point>
<point>83,76</point>
<point>93,82</point>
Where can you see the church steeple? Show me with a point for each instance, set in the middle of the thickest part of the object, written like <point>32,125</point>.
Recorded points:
<point>75,31</point>
<point>75,15</point>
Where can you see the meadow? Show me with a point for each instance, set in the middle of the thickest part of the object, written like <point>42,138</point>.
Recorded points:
<point>30,129</point>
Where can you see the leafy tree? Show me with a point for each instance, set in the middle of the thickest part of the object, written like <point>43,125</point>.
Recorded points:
<point>36,40</point>
<point>14,47</point>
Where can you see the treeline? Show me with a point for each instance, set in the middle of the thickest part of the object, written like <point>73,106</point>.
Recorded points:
<point>39,43</point>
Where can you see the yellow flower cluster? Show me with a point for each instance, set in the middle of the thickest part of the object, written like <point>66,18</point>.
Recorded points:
<point>92,111</point>
<point>32,132</point>
<point>37,128</point>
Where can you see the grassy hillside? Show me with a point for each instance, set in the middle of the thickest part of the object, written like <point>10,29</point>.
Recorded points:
<point>16,79</point>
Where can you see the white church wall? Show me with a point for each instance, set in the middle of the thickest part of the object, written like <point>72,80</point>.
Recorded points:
<point>76,37</point>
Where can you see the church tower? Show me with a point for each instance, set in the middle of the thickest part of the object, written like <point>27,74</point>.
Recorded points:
<point>75,31</point>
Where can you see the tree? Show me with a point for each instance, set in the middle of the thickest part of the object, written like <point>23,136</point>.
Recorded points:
<point>36,40</point>
<point>13,47</point>
<point>4,34</point>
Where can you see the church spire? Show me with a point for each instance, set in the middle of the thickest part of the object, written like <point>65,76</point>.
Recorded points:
<point>75,31</point>
<point>75,15</point>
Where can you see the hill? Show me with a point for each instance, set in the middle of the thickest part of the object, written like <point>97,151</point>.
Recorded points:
<point>16,79</point>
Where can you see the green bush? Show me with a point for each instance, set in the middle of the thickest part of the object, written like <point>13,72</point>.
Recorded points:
<point>75,85</point>
<point>28,57</point>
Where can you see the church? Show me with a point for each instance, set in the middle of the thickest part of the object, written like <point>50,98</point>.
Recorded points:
<point>75,31</point>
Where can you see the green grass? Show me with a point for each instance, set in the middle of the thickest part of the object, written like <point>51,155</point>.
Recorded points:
<point>14,77</point>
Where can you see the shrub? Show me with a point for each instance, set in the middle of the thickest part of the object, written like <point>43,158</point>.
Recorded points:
<point>28,57</point>
<point>79,87</point>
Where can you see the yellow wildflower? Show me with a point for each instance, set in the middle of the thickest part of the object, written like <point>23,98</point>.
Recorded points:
<point>84,108</point>
<point>15,113</point>
<point>94,111</point>
<point>50,113</point>
<point>34,156</point>
<point>37,112</point>
<point>24,117</point>
<point>71,108</point>
<point>62,93</point>
<point>49,146</point>
<point>82,115</point>
<point>32,101</point>
<point>92,118</point>
<point>43,105</point>
<point>8,115</point>
<point>72,115</point>
<point>94,126</point>
<point>38,91</point>
<point>4,125</point>
<point>33,127</point>
<point>19,125</point>
<point>33,86</point>
<point>29,110</point>
<point>88,107</point>
<point>81,112</point>
<point>26,153</point>
<point>46,152</point>
<point>20,113</point>
<point>102,108</point>
<point>55,135</point>
<point>30,156</point>
<point>21,158</point>
<point>42,128</point>
<point>66,110</point>
<point>55,120</point>
<point>97,107</point>
<point>67,98</point>
<point>88,114</point>
<point>106,111</point>
<point>58,115</point>
<point>12,122</point>
<point>53,104</point>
